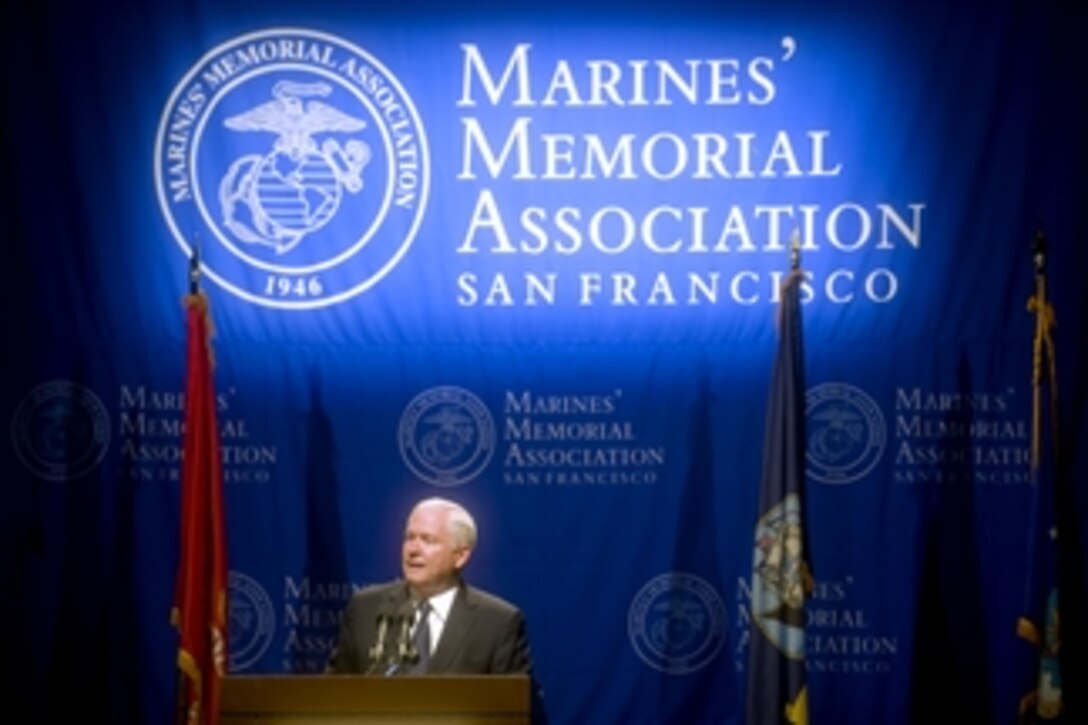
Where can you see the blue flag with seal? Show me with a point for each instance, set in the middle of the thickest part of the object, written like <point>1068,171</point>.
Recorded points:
<point>780,574</point>
<point>1040,624</point>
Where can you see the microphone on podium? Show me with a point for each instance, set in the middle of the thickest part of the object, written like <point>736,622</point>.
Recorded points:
<point>377,652</point>
<point>406,651</point>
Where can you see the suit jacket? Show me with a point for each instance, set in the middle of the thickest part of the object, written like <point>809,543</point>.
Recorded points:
<point>483,634</point>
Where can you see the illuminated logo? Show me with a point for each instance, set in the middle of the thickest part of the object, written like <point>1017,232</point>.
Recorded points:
<point>778,578</point>
<point>676,623</point>
<point>446,436</point>
<point>252,620</point>
<point>60,430</point>
<point>298,161</point>
<point>846,433</point>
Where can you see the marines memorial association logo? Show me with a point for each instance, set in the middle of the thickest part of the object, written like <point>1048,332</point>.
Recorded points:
<point>252,620</point>
<point>676,623</point>
<point>846,433</point>
<point>446,436</point>
<point>300,164</point>
<point>60,430</point>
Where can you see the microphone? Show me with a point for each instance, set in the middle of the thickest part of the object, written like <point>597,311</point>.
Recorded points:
<point>377,653</point>
<point>406,652</point>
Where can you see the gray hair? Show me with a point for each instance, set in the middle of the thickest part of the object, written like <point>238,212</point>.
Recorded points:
<point>459,521</point>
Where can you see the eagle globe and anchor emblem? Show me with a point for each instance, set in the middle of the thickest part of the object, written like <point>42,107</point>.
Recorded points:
<point>446,436</point>
<point>277,199</point>
<point>264,148</point>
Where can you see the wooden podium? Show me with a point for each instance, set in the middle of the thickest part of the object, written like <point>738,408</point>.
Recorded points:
<point>343,699</point>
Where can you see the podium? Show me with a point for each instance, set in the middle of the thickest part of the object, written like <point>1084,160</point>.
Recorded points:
<point>344,699</point>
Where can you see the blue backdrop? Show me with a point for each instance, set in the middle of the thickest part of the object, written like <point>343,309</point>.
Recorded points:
<point>527,256</point>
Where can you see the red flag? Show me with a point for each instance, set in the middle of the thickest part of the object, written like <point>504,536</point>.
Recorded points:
<point>200,600</point>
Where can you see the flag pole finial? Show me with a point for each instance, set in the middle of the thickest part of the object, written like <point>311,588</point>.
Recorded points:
<point>194,267</point>
<point>795,250</point>
<point>1038,251</point>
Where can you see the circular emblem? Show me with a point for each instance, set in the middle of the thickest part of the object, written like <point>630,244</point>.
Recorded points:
<point>676,623</point>
<point>846,433</point>
<point>299,161</point>
<point>252,620</point>
<point>446,436</point>
<point>778,583</point>
<point>60,430</point>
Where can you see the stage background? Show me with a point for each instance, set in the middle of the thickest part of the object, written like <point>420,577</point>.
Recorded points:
<point>526,256</point>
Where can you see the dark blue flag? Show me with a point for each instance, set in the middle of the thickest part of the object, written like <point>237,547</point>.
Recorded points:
<point>780,573</point>
<point>1040,624</point>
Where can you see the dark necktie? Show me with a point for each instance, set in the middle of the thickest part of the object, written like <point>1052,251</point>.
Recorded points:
<point>421,640</point>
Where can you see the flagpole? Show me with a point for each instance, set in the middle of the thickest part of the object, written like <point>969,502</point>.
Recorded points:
<point>795,270</point>
<point>181,700</point>
<point>1040,624</point>
<point>1043,347</point>
<point>1038,301</point>
<point>806,568</point>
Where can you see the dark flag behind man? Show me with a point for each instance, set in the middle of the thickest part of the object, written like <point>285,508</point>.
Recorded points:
<point>1040,623</point>
<point>200,601</point>
<point>780,574</point>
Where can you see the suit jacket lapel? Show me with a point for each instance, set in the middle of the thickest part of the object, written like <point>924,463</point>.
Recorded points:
<point>456,633</point>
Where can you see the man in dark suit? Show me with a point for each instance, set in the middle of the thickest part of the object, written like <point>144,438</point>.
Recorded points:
<point>432,622</point>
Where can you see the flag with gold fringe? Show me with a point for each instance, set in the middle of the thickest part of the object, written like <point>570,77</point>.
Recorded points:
<point>200,601</point>
<point>780,574</point>
<point>1040,623</point>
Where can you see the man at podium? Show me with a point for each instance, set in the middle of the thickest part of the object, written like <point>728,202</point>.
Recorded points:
<point>432,622</point>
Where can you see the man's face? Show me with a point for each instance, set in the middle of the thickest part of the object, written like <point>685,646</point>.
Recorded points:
<point>430,558</point>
